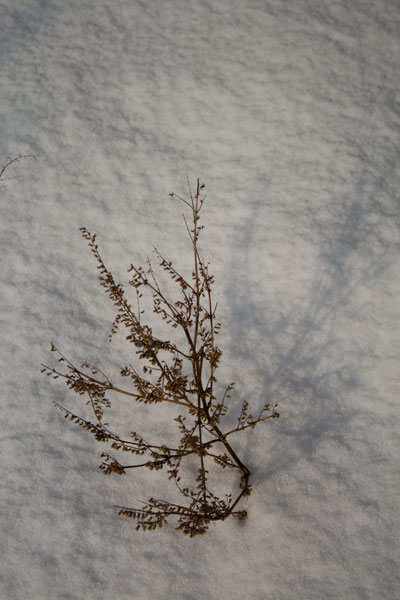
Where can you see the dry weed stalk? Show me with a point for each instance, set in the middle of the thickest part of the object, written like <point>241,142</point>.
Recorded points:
<point>181,375</point>
<point>10,161</point>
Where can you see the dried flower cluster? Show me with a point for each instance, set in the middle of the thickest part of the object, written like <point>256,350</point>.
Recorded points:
<point>183,375</point>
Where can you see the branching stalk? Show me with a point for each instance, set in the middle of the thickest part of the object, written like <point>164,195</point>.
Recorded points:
<point>173,373</point>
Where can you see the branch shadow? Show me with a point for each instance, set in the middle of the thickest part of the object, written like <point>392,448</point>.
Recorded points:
<point>306,357</point>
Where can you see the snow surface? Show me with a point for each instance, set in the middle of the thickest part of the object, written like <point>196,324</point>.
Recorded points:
<point>290,114</point>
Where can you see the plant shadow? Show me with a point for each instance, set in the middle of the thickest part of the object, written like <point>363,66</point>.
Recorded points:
<point>304,359</point>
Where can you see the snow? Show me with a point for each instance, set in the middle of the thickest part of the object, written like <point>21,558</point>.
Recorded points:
<point>289,112</point>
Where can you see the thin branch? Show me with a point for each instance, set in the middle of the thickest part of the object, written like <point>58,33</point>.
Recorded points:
<point>178,381</point>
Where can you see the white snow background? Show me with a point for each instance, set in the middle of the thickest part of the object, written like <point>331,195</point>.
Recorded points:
<point>289,112</point>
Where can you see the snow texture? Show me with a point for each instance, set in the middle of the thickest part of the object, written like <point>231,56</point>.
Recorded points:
<point>289,112</point>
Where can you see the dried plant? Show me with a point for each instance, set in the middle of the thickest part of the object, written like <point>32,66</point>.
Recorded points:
<point>10,161</point>
<point>182,374</point>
